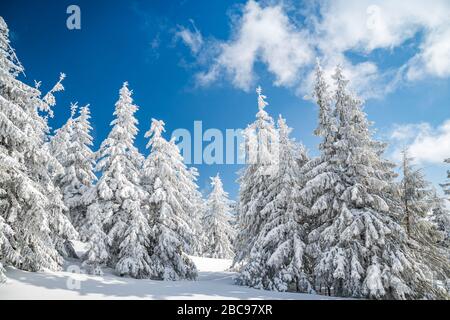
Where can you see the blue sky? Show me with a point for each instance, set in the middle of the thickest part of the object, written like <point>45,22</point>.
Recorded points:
<point>201,60</point>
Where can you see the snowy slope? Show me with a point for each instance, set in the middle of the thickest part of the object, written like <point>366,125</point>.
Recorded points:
<point>214,282</point>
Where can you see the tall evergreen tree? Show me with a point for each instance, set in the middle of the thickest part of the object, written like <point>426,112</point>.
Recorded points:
<point>169,185</point>
<point>415,194</point>
<point>30,204</point>
<point>71,146</point>
<point>318,192</point>
<point>219,233</point>
<point>261,146</point>
<point>116,199</point>
<point>80,175</point>
<point>59,145</point>
<point>420,206</point>
<point>277,259</point>
<point>362,249</point>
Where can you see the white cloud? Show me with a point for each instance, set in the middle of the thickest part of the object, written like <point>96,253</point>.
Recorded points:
<point>425,143</point>
<point>366,25</point>
<point>273,35</point>
<point>192,38</point>
<point>265,35</point>
<point>434,58</point>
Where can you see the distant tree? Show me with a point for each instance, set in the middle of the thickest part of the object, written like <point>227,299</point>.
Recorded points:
<point>219,233</point>
<point>415,193</point>
<point>446,186</point>
<point>440,216</point>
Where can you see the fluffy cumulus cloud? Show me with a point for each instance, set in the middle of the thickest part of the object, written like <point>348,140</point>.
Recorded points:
<point>366,25</point>
<point>265,35</point>
<point>427,144</point>
<point>286,40</point>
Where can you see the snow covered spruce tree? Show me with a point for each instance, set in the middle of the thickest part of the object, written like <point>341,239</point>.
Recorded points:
<point>59,145</point>
<point>30,204</point>
<point>415,196</point>
<point>361,249</point>
<point>441,213</point>
<point>440,216</point>
<point>71,145</point>
<point>219,234</point>
<point>83,161</point>
<point>277,259</point>
<point>261,151</point>
<point>169,185</point>
<point>420,206</point>
<point>93,231</point>
<point>317,172</point>
<point>115,214</point>
<point>196,215</point>
<point>446,186</point>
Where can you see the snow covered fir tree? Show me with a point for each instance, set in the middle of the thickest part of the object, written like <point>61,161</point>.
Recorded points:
<point>341,223</point>
<point>359,247</point>
<point>440,216</point>
<point>261,142</point>
<point>418,201</point>
<point>277,259</point>
<point>71,145</point>
<point>446,186</point>
<point>351,240</point>
<point>115,200</point>
<point>169,185</point>
<point>217,223</point>
<point>424,218</point>
<point>34,227</point>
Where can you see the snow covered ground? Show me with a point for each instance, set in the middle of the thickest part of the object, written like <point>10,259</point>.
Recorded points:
<point>214,282</point>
